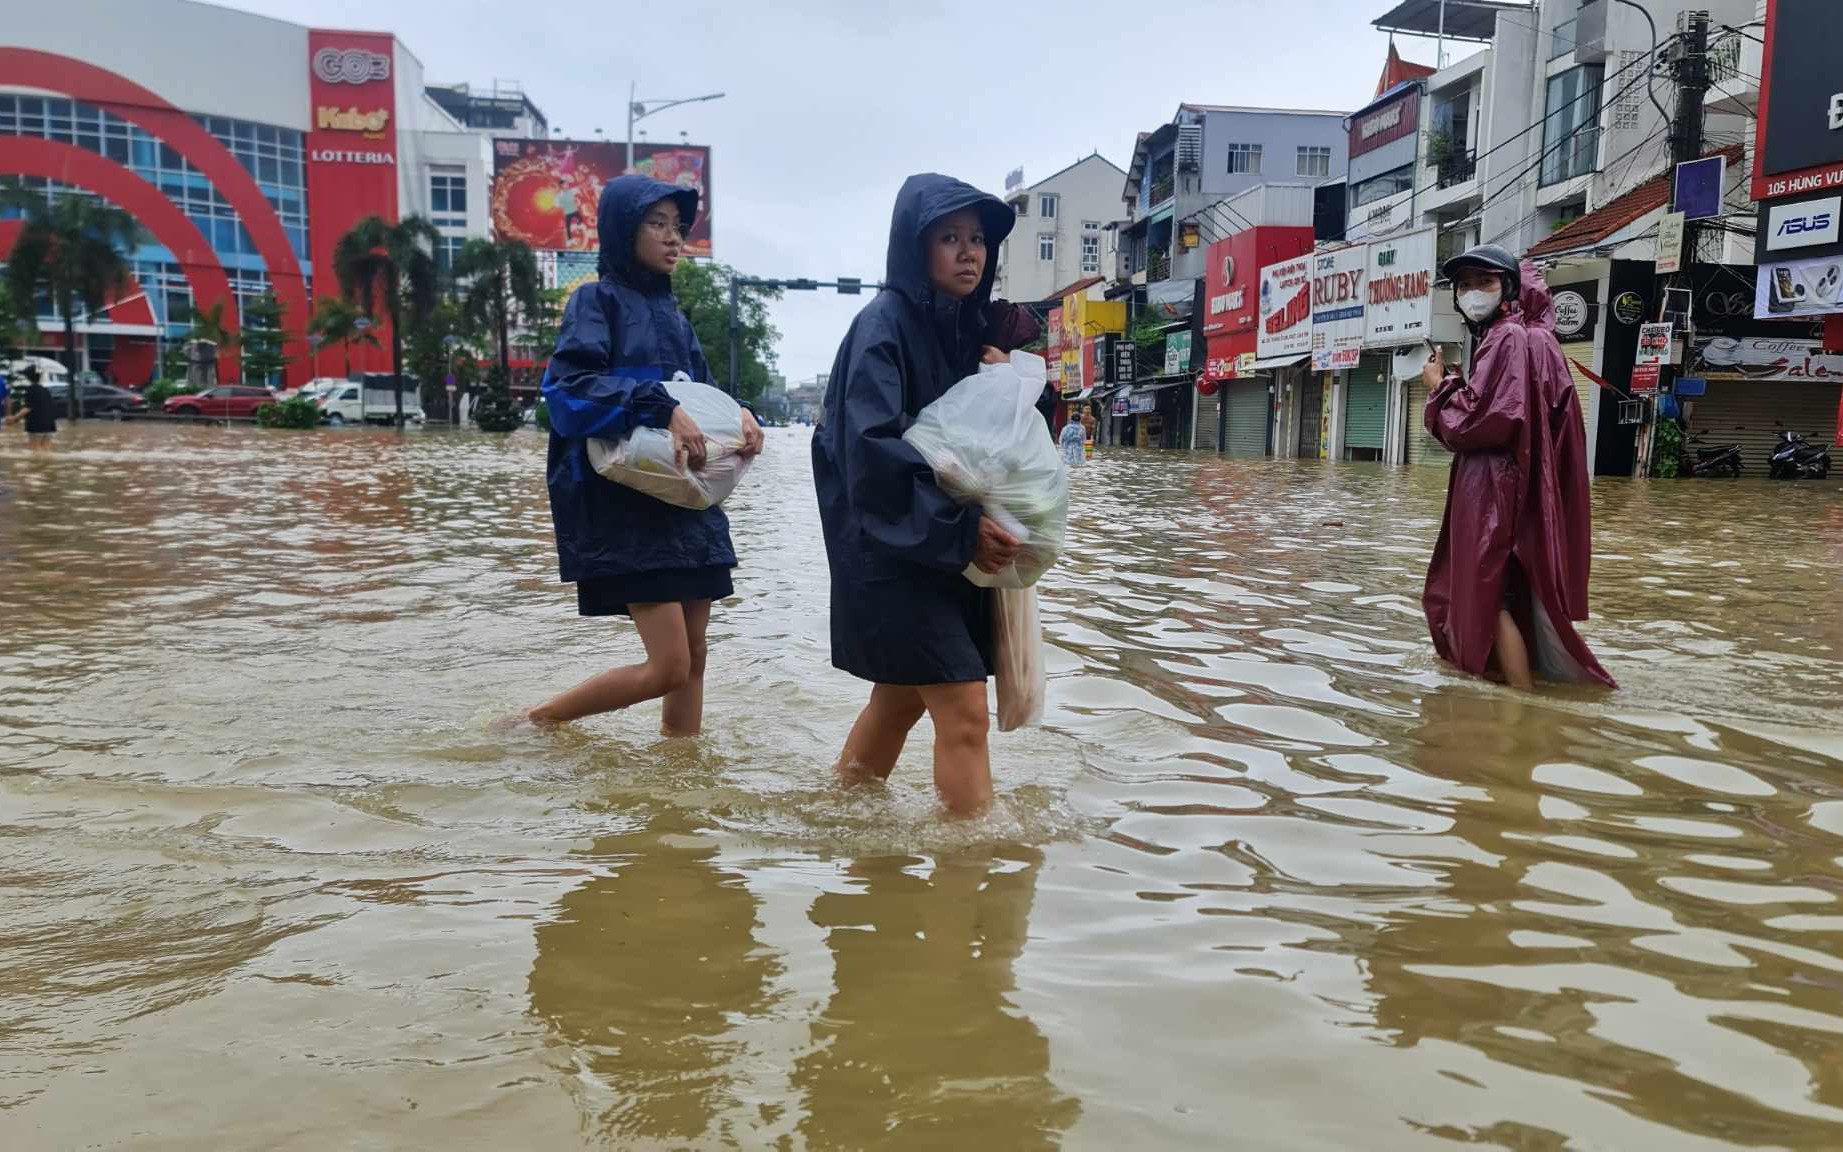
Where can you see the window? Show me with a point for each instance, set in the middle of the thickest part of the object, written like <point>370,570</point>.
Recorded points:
<point>448,197</point>
<point>1090,252</point>
<point>1090,225</point>
<point>1313,162</point>
<point>1383,186</point>
<point>1046,245</point>
<point>1571,129</point>
<point>447,249</point>
<point>1245,159</point>
<point>1046,207</point>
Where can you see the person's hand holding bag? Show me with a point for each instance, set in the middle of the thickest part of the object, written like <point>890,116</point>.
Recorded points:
<point>997,549</point>
<point>751,435</point>
<point>687,438</point>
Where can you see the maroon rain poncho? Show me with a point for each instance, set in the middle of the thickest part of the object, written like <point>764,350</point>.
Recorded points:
<point>1517,530</point>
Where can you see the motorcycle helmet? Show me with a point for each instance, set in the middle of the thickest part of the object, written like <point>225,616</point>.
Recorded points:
<point>1492,256</point>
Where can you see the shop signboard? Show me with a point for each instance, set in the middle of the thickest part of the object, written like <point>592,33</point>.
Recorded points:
<point>1337,307</point>
<point>1794,224</point>
<point>1142,402</point>
<point>1177,353</point>
<point>1576,309</point>
<point>1763,358</point>
<point>1125,361</point>
<point>1670,243</point>
<point>1798,133</point>
<point>1399,283</point>
<point>1395,120</point>
<point>1286,309</point>
<point>545,192</point>
<point>1799,288</point>
<point>1052,351</point>
<point>1653,353</point>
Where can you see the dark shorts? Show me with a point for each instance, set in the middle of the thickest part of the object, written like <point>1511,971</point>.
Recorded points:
<point>611,595</point>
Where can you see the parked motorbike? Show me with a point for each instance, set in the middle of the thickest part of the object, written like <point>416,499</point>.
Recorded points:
<point>1795,458</point>
<point>1697,459</point>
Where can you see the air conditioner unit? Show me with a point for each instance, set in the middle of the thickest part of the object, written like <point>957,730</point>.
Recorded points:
<point>1590,32</point>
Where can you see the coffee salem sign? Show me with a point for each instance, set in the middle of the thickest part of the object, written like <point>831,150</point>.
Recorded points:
<point>1798,141</point>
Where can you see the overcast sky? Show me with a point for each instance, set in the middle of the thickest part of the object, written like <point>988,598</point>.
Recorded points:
<point>832,102</point>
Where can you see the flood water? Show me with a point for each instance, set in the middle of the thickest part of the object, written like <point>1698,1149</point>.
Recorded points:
<point>1268,877</point>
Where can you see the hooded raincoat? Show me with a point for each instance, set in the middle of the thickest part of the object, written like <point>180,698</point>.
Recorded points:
<point>620,338</point>
<point>902,613</point>
<point>1518,524</point>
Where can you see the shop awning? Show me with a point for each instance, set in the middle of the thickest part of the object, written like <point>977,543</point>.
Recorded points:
<point>1273,362</point>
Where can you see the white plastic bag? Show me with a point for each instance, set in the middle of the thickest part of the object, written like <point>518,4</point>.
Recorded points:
<point>988,446</point>
<point>647,460</point>
<point>1018,657</point>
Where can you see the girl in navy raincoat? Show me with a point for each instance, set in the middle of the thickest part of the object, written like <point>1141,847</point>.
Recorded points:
<point>627,553</point>
<point>903,615</point>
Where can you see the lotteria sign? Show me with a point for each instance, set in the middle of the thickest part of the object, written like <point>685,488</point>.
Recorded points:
<point>1399,294</point>
<point>352,145</point>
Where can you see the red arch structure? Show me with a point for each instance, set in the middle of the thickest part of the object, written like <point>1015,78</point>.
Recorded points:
<point>29,68</point>
<point>66,163</point>
<point>137,309</point>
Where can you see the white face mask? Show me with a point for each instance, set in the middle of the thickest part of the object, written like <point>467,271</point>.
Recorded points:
<point>1480,303</point>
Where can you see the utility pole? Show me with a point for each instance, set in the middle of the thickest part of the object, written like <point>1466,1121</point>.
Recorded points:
<point>1689,68</point>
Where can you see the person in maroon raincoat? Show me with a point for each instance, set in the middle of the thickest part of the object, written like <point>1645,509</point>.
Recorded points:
<point>1509,571</point>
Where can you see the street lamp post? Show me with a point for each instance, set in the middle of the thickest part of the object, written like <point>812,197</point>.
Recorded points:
<point>449,343</point>
<point>638,110</point>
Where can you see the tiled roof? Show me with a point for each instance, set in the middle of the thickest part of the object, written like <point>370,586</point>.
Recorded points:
<point>1593,227</point>
<point>1396,71</point>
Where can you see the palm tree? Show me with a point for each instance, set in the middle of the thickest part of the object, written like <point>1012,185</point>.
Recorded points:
<point>71,249</point>
<point>395,258</point>
<point>208,327</point>
<point>336,321</point>
<point>502,285</point>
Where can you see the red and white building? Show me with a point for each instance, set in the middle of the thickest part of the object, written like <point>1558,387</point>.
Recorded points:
<point>245,146</point>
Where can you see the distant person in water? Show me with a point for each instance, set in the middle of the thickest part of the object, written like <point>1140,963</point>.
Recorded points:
<point>1509,571</point>
<point>37,411</point>
<point>627,553</point>
<point>904,617</point>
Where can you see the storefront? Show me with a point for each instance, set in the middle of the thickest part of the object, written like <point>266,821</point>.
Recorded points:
<point>1242,406</point>
<point>1758,387</point>
<point>1366,405</point>
<point>1378,421</point>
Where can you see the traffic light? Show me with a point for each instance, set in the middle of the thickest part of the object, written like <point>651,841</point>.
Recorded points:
<point>849,285</point>
<point>802,285</point>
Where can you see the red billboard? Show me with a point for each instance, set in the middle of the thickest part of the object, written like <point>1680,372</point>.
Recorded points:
<point>1374,127</point>
<point>351,146</point>
<point>545,191</point>
<point>1232,296</point>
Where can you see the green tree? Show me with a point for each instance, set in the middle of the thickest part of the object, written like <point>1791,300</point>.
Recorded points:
<point>495,412</point>
<point>703,292</point>
<point>264,339</point>
<point>377,257</point>
<point>70,249</point>
<point>446,341</point>
<point>502,285</point>
<point>16,325</point>
<point>336,321</point>
<point>546,324</point>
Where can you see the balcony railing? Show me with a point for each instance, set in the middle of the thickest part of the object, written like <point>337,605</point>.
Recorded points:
<point>1163,189</point>
<point>1157,265</point>
<point>1456,168</point>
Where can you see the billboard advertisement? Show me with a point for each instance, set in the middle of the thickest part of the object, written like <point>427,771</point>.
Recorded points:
<point>1286,309</point>
<point>1798,289</point>
<point>1400,304</point>
<point>351,144</point>
<point>545,191</point>
<point>1337,307</point>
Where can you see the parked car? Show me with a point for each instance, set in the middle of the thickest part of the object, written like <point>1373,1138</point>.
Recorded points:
<point>98,399</point>
<point>371,401</point>
<point>225,402</point>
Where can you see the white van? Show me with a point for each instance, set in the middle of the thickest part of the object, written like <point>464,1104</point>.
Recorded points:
<point>371,401</point>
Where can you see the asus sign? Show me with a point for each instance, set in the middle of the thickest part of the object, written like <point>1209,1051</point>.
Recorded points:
<point>1803,223</point>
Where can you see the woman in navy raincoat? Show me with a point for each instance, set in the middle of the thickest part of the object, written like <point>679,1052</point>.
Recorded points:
<point>903,615</point>
<point>627,553</point>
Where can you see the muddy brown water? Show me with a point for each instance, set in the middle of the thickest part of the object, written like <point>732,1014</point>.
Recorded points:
<point>1267,877</point>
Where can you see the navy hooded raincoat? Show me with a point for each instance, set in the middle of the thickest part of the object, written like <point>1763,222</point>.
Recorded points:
<point>621,337</point>
<point>902,612</point>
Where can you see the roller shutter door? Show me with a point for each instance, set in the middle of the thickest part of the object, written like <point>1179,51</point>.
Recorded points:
<point>1422,448</point>
<point>1247,405</point>
<point>1207,407</point>
<point>1365,403</point>
<point>1752,413</point>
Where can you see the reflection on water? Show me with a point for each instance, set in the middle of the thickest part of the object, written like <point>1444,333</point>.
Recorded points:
<point>1269,876</point>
